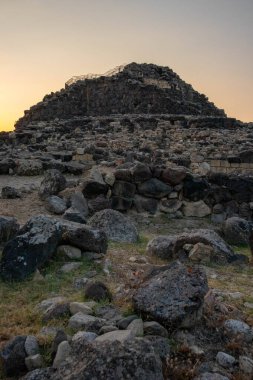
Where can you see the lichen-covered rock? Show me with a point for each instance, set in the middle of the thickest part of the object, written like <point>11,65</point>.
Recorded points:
<point>136,360</point>
<point>174,297</point>
<point>116,226</point>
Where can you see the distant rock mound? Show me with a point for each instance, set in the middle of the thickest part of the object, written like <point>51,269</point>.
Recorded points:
<point>130,89</point>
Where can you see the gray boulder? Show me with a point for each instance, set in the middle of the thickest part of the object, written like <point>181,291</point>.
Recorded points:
<point>169,247</point>
<point>30,249</point>
<point>52,184</point>
<point>116,226</point>
<point>174,297</point>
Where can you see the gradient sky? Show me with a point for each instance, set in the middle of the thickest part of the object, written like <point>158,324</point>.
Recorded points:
<point>43,43</point>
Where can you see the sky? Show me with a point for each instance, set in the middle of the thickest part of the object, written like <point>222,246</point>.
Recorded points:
<point>43,43</point>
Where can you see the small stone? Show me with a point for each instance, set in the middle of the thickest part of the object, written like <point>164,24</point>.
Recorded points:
<point>82,321</point>
<point>59,337</point>
<point>225,360</point>
<point>154,328</point>
<point>124,322</point>
<point>34,361</point>
<point>246,365</point>
<point>69,267</point>
<point>136,326</point>
<point>235,327</point>
<point>80,283</point>
<point>249,305</point>
<point>82,307</point>
<point>70,252</point>
<point>38,276</point>
<point>63,352</point>
<point>97,291</point>
<point>201,253</point>
<point>31,345</point>
<point>106,329</point>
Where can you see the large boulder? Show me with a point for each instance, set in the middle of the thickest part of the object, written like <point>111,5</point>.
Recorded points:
<point>169,247</point>
<point>53,182</point>
<point>135,359</point>
<point>31,248</point>
<point>86,238</point>
<point>174,297</point>
<point>8,228</point>
<point>116,226</point>
<point>237,231</point>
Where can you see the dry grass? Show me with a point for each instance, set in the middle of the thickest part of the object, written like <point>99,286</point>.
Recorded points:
<point>18,315</point>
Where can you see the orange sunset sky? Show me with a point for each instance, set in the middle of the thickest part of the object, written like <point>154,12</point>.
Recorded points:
<point>43,43</point>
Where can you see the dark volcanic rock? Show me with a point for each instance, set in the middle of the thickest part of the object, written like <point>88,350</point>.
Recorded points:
<point>237,231</point>
<point>97,291</point>
<point>13,357</point>
<point>35,244</point>
<point>195,189</point>
<point>92,188</point>
<point>154,188</point>
<point>52,184</point>
<point>173,297</point>
<point>116,226</point>
<point>143,204</point>
<point>8,228</point>
<point>9,192</point>
<point>84,237</point>
<point>6,164</point>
